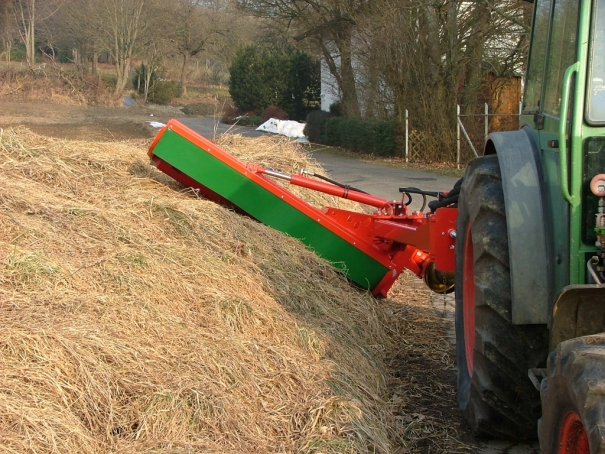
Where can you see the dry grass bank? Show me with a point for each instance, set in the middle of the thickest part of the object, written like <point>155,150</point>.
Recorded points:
<point>139,318</point>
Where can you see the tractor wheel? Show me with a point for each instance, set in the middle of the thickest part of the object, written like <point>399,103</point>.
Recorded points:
<point>494,392</point>
<point>573,398</point>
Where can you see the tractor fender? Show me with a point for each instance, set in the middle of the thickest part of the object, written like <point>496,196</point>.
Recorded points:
<point>526,215</point>
<point>578,311</point>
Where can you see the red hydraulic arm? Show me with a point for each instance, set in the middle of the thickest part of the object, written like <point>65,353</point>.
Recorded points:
<point>420,242</point>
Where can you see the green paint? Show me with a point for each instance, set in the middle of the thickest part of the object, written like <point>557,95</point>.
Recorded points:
<point>562,37</point>
<point>268,208</point>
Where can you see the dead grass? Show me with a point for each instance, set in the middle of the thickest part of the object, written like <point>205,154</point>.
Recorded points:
<point>54,82</point>
<point>139,318</point>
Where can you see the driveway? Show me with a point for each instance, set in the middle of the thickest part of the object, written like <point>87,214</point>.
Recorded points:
<point>210,127</point>
<point>381,179</point>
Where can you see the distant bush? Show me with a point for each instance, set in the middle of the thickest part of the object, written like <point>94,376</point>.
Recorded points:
<point>381,138</point>
<point>260,77</point>
<point>274,112</point>
<point>230,113</point>
<point>200,109</point>
<point>140,76</point>
<point>336,109</point>
<point>316,120</point>
<point>64,56</point>
<point>18,52</point>
<point>109,80</point>
<point>250,121</point>
<point>164,91</point>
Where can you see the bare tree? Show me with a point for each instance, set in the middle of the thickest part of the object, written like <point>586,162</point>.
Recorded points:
<point>7,27</point>
<point>195,23</point>
<point>155,47</point>
<point>28,15</point>
<point>331,24</point>
<point>78,25</point>
<point>124,24</point>
<point>426,57</point>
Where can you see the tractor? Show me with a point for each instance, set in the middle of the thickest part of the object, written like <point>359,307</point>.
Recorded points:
<point>530,271</point>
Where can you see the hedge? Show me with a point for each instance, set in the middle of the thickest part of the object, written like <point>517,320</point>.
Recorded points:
<point>316,120</point>
<point>381,138</point>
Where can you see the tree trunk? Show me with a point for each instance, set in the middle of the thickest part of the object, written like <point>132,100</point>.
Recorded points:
<point>184,74</point>
<point>28,23</point>
<point>122,69</point>
<point>473,80</point>
<point>95,64</point>
<point>8,45</point>
<point>350,103</point>
<point>148,74</point>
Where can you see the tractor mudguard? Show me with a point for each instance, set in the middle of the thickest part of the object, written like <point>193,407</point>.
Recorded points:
<point>527,230</point>
<point>579,311</point>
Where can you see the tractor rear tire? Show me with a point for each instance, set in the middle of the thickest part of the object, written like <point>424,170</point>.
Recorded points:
<point>573,398</point>
<point>493,356</point>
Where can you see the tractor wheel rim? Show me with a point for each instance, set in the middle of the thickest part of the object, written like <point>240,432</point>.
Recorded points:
<point>468,300</point>
<point>572,435</point>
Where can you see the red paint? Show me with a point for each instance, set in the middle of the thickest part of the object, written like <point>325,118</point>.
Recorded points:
<point>572,435</point>
<point>468,300</point>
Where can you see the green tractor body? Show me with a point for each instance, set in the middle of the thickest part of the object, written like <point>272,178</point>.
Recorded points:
<point>530,288</point>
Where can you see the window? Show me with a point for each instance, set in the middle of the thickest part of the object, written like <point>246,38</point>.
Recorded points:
<point>561,53</point>
<point>537,57</point>
<point>596,73</point>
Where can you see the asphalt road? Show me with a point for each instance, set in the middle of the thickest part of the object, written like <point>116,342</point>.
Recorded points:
<point>381,179</point>
<point>210,127</point>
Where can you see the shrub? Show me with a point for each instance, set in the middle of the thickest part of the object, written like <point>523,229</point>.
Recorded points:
<point>274,112</point>
<point>287,78</point>
<point>316,120</point>
<point>229,114</point>
<point>246,80</point>
<point>140,75</point>
<point>18,52</point>
<point>200,108</point>
<point>250,120</point>
<point>164,91</point>
<point>109,80</point>
<point>64,56</point>
<point>336,109</point>
<point>376,137</point>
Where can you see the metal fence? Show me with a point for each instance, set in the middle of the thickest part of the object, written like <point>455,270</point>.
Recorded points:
<point>471,133</point>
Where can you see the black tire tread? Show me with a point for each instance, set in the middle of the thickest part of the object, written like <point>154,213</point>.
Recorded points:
<point>575,381</point>
<point>501,401</point>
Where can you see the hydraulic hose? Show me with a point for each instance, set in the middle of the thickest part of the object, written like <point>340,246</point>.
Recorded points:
<point>329,180</point>
<point>450,199</point>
